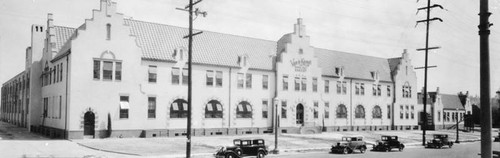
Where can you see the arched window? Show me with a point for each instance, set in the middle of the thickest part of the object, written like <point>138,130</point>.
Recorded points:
<point>244,110</point>
<point>341,111</point>
<point>377,112</point>
<point>108,31</point>
<point>213,109</point>
<point>360,112</point>
<point>178,109</point>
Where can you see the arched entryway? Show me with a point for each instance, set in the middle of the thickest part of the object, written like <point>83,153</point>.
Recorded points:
<point>300,114</point>
<point>89,124</point>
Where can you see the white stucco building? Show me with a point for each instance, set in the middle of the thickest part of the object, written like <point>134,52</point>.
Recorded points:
<point>130,77</point>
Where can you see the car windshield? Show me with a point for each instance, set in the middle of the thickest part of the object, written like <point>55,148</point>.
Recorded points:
<point>237,142</point>
<point>346,138</point>
<point>385,138</point>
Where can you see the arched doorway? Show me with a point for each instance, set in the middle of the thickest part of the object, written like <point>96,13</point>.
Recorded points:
<point>300,114</point>
<point>88,124</point>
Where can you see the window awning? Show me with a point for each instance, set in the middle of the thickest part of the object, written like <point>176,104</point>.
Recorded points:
<point>124,105</point>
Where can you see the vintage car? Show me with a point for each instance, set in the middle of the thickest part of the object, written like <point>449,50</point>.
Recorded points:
<point>243,147</point>
<point>387,143</point>
<point>438,141</point>
<point>349,144</point>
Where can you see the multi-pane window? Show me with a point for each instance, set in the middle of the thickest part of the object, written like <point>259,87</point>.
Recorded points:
<point>406,91</point>
<point>379,90</point>
<point>175,75</point>
<point>344,87</point>
<point>377,112</point>
<point>241,80</point>
<point>356,88</point>
<point>108,31</point>
<point>401,112</point>
<point>327,110</point>
<point>61,72</point>
<point>265,81</point>
<point>285,82</point>
<point>107,70</point>
<point>152,74</point>
<point>97,69</point>
<point>218,78</point>
<point>264,108</point>
<point>124,106</point>
<point>118,71</point>
<point>297,84</point>
<point>439,116</point>
<point>327,86</point>
<point>304,84</point>
<point>185,74</point>
<point>244,110</point>
<point>388,111</point>
<point>283,109</point>
<point>388,90</point>
<point>213,109</point>
<point>45,107</point>
<point>362,89</point>
<point>178,109</point>
<point>249,81</point>
<point>210,78</point>
<point>412,112</point>
<point>151,107</point>
<point>50,76</point>
<point>57,74</point>
<point>315,84</point>
<point>339,87</point>
<point>315,109</point>
<point>341,111</point>
<point>407,112</point>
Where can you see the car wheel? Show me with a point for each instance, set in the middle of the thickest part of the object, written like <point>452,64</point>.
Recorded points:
<point>238,152</point>
<point>231,155</point>
<point>261,154</point>
<point>451,145</point>
<point>344,151</point>
<point>362,149</point>
<point>401,148</point>
<point>387,149</point>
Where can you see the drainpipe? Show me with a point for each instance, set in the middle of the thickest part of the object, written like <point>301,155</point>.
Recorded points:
<point>350,102</point>
<point>229,105</point>
<point>66,100</point>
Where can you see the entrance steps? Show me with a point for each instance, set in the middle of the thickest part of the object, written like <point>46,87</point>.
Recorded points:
<point>310,129</point>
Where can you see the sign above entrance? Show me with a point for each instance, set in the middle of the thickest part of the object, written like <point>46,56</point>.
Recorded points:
<point>300,65</point>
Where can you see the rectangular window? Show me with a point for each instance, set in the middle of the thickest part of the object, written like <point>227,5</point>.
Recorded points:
<point>210,78</point>
<point>118,71</point>
<point>344,87</point>
<point>57,74</point>
<point>265,81</point>
<point>374,89</point>
<point>362,89</point>
<point>339,87</point>
<point>151,107</point>
<point>316,109</point>
<point>379,90</point>
<point>185,76</point>
<point>412,112</point>
<point>285,82</point>
<point>388,111</point>
<point>389,91</point>
<point>315,85</point>
<point>60,72</point>
<point>175,76</point>
<point>152,74</point>
<point>283,109</point>
<point>327,110</point>
<point>401,112</point>
<point>50,76</point>
<point>304,84</point>
<point>45,107</point>
<point>297,84</point>
<point>60,106</point>
<point>439,116</point>
<point>407,112</point>
<point>241,80</point>
<point>249,81</point>
<point>107,70</point>
<point>327,86</point>
<point>124,106</point>
<point>264,108</point>
<point>356,88</point>
<point>218,78</point>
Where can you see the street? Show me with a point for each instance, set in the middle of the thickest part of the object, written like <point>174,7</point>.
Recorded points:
<point>465,150</point>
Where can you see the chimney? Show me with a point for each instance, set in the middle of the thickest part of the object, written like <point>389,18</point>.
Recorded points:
<point>51,40</point>
<point>299,28</point>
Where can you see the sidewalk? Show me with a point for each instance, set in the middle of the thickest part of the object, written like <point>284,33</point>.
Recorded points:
<point>207,145</point>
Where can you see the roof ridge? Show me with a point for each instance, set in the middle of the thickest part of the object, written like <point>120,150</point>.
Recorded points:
<point>351,53</point>
<point>157,23</point>
<point>64,26</point>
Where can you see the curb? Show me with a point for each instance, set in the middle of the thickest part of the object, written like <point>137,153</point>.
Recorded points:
<point>116,152</point>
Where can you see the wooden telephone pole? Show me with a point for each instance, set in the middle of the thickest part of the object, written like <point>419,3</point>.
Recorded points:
<point>484,61</point>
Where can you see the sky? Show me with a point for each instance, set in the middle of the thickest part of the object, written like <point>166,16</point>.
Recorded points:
<point>380,28</point>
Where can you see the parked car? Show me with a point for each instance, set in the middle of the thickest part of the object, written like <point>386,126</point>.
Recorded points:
<point>387,143</point>
<point>243,147</point>
<point>349,144</point>
<point>439,141</point>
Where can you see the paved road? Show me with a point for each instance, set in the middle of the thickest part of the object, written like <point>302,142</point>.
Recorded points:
<point>464,150</point>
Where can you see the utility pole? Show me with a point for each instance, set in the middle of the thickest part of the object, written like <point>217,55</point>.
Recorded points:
<point>189,8</point>
<point>484,61</point>
<point>427,21</point>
